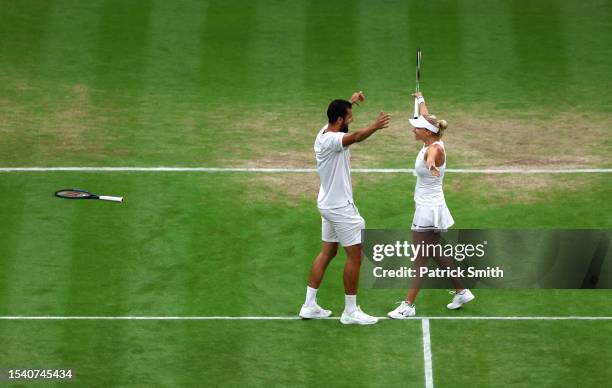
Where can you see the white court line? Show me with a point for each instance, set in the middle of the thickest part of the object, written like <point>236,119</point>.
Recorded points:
<point>264,318</point>
<point>427,354</point>
<point>302,170</point>
<point>427,358</point>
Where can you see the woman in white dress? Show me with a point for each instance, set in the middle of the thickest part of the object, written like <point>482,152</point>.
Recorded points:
<point>431,214</point>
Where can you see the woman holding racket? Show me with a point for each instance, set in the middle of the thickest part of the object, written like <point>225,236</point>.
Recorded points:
<point>431,214</point>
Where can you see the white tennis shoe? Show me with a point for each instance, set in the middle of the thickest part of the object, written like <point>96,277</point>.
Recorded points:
<point>461,299</point>
<point>357,317</point>
<point>403,311</point>
<point>313,312</point>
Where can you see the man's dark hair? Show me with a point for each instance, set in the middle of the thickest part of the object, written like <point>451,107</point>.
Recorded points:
<point>337,109</point>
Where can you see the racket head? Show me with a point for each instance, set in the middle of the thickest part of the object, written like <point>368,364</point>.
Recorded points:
<point>75,194</point>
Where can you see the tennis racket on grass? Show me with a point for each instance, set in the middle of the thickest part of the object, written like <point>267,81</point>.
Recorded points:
<point>418,79</point>
<point>83,194</point>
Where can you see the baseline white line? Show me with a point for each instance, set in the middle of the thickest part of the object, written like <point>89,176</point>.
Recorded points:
<point>262,318</point>
<point>146,318</point>
<point>427,354</point>
<point>302,170</point>
<point>568,318</point>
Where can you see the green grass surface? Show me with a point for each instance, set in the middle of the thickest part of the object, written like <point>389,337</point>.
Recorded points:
<point>201,245</point>
<point>180,238</point>
<point>491,354</point>
<point>227,354</point>
<point>132,82</point>
<point>236,83</point>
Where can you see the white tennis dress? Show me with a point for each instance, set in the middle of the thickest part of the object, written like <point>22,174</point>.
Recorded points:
<point>431,212</point>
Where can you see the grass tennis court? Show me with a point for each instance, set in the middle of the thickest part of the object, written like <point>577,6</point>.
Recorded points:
<point>245,84</point>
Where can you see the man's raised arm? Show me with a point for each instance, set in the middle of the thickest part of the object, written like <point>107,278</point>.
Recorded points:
<point>355,137</point>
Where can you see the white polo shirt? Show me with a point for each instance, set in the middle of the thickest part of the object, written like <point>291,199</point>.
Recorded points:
<point>334,166</point>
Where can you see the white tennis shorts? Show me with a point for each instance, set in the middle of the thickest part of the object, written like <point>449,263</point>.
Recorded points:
<point>432,218</point>
<point>342,225</point>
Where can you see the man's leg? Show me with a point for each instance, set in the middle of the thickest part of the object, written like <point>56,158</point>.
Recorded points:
<point>328,252</point>
<point>311,309</point>
<point>352,313</point>
<point>351,269</point>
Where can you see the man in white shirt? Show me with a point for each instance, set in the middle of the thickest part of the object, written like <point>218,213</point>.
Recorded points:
<point>341,222</point>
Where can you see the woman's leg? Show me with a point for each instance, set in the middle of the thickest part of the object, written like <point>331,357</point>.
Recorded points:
<point>422,239</point>
<point>445,262</point>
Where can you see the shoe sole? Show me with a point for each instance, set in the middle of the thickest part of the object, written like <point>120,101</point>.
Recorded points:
<point>314,316</point>
<point>400,316</point>
<point>345,322</point>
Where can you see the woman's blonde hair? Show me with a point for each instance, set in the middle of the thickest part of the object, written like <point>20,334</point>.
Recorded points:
<point>438,123</point>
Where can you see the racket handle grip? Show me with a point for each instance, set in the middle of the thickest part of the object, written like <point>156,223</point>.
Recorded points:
<point>109,198</point>
<point>416,108</point>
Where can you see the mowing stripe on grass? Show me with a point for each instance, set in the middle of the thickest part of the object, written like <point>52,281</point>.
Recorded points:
<point>302,170</point>
<point>263,318</point>
<point>427,354</point>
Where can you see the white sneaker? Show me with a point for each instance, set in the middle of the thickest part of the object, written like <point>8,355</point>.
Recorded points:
<point>313,312</point>
<point>461,299</point>
<point>403,311</point>
<point>357,317</point>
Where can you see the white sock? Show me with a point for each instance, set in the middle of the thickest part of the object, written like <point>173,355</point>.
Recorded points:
<point>350,303</point>
<point>311,296</point>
